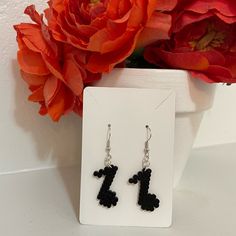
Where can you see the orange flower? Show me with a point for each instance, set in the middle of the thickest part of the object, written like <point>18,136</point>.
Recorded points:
<point>158,26</point>
<point>108,28</point>
<point>54,72</point>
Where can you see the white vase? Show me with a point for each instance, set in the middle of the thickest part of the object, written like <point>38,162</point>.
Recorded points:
<point>193,97</point>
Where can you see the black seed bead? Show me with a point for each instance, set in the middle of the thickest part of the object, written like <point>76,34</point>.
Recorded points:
<point>135,177</point>
<point>131,181</point>
<point>97,174</point>
<point>140,174</point>
<point>115,168</point>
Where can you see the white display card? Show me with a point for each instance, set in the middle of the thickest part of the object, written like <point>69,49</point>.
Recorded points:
<point>128,111</point>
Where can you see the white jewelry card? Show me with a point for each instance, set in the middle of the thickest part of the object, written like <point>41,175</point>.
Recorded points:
<point>128,111</point>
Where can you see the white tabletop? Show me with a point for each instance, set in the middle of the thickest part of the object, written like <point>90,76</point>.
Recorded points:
<point>45,202</point>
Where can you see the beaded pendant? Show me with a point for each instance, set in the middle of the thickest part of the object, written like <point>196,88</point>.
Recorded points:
<point>106,197</point>
<point>147,201</point>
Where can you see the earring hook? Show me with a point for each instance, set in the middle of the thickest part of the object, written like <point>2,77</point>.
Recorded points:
<point>146,162</point>
<point>149,133</point>
<point>109,133</point>
<point>108,147</point>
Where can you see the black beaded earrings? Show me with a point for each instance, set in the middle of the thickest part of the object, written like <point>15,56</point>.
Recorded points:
<point>146,200</point>
<point>106,197</point>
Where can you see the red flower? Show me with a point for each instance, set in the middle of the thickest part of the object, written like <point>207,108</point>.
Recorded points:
<point>202,40</point>
<point>55,73</point>
<point>159,24</point>
<point>108,28</point>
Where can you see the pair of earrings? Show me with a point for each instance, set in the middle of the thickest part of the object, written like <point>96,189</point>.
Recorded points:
<point>108,198</point>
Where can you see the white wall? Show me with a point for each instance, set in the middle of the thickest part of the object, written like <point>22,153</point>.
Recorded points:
<point>219,123</point>
<point>28,141</point>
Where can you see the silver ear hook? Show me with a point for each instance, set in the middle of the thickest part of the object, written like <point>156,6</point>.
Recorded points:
<point>149,133</point>
<point>109,132</point>
<point>108,157</point>
<point>146,162</point>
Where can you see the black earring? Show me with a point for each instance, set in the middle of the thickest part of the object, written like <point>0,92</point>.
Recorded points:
<point>105,196</point>
<point>146,200</point>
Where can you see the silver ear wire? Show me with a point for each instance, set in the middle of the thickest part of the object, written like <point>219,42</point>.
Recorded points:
<point>146,162</point>
<point>108,157</point>
<point>149,133</point>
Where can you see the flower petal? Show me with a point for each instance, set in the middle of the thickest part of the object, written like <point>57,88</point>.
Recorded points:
<point>157,29</point>
<point>37,95</point>
<point>214,57</point>
<point>62,103</point>
<point>73,76</point>
<point>220,74</point>
<point>231,64</point>
<point>99,63</point>
<point>51,88</point>
<point>187,60</point>
<point>166,5</point>
<point>33,80</point>
<point>225,7</point>
<point>32,62</point>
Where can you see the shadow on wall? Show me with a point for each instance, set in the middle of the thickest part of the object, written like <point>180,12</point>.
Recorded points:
<point>59,142</point>
<point>55,144</point>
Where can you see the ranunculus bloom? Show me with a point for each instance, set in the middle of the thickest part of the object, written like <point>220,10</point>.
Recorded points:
<point>158,26</point>
<point>108,28</point>
<point>202,40</point>
<point>55,73</point>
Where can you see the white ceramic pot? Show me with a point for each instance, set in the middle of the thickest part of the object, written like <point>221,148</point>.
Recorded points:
<point>193,97</point>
